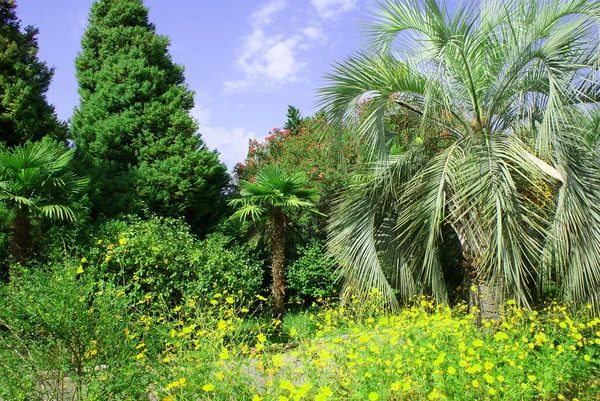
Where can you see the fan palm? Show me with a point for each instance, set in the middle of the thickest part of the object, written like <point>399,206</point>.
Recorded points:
<point>508,85</point>
<point>36,180</point>
<point>270,199</point>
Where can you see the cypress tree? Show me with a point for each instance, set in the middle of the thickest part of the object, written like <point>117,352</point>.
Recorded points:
<point>25,114</point>
<point>133,124</point>
<point>293,120</point>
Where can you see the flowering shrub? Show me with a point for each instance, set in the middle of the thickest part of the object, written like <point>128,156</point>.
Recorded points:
<point>64,335</point>
<point>161,259</point>
<point>326,153</point>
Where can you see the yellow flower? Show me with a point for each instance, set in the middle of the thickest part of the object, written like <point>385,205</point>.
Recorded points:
<point>373,396</point>
<point>229,300</point>
<point>451,370</point>
<point>176,383</point>
<point>278,360</point>
<point>434,395</point>
<point>500,336</point>
<point>324,394</point>
<point>208,387</point>
<point>80,269</point>
<point>587,357</point>
<point>395,386</point>
<point>83,260</point>
<point>491,391</point>
<point>286,385</point>
<point>475,383</point>
<point>122,241</point>
<point>257,398</point>
<point>99,241</point>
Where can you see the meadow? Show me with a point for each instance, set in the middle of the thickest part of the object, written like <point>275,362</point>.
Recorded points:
<point>87,340</point>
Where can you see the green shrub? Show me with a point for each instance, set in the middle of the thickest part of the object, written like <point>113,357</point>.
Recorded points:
<point>313,274</point>
<point>64,335</point>
<point>223,265</point>
<point>160,258</point>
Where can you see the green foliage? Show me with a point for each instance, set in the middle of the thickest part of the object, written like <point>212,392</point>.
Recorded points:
<point>273,188</point>
<point>64,336</point>
<point>37,181</point>
<point>313,273</point>
<point>38,178</point>
<point>293,120</point>
<point>133,125</point>
<point>224,265</point>
<point>25,115</point>
<point>161,259</point>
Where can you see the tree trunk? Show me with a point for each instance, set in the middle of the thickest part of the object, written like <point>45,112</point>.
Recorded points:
<point>485,299</point>
<point>277,233</point>
<point>20,244</point>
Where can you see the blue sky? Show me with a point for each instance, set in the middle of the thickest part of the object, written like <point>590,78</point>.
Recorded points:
<point>245,59</point>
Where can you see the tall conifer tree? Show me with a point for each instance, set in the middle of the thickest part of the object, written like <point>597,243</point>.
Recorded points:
<point>24,80</point>
<point>133,124</point>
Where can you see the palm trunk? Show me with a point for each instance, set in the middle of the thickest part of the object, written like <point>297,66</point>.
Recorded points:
<point>484,298</point>
<point>277,232</point>
<point>20,245</point>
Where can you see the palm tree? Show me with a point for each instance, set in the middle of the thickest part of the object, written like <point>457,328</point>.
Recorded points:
<point>509,85</point>
<point>270,199</point>
<point>36,180</point>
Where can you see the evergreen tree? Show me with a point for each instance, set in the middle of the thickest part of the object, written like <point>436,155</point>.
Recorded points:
<point>294,119</point>
<point>24,80</point>
<point>133,124</point>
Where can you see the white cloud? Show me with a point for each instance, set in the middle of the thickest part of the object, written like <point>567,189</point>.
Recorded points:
<point>264,15</point>
<point>232,144</point>
<point>271,59</point>
<point>328,9</point>
<point>312,32</point>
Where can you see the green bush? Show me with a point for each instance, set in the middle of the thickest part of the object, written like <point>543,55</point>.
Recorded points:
<point>313,274</point>
<point>223,265</point>
<point>159,258</point>
<point>64,335</point>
